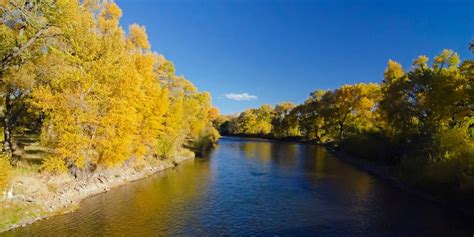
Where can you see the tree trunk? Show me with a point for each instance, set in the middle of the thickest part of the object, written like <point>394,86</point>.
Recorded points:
<point>341,131</point>
<point>7,126</point>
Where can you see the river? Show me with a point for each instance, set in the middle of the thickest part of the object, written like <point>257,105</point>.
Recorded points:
<point>255,187</point>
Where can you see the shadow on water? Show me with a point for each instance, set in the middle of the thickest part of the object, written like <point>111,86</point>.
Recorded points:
<point>256,187</point>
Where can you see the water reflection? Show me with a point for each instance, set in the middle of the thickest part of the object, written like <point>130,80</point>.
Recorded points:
<point>255,187</point>
<point>259,149</point>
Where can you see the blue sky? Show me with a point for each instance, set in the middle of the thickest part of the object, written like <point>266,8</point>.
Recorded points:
<point>250,52</point>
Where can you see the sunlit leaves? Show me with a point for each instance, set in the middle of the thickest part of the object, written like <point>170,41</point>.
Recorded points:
<point>448,58</point>
<point>104,97</point>
<point>282,124</point>
<point>138,37</point>
<point>394,71</point>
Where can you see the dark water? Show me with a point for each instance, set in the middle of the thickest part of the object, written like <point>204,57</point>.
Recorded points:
<point>256,187</point>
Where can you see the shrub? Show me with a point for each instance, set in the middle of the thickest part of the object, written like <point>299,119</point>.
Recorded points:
<point>206,140</point>
<point>185,153</point>
<point>54,164</point>
<point>448,170</point>
<point>368,146</point>
<point>168,146</point>
<point>456,148</point>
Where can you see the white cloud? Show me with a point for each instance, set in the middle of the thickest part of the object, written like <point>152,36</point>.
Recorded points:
<point>241,96</point>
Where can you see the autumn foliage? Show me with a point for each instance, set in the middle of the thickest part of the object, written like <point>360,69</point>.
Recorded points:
<point>97,93</point>
<point>421,120</point>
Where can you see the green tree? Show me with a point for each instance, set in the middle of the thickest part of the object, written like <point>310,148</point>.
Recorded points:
<point>418,103</point>
<point>349,109</point>
<point>282,124</point>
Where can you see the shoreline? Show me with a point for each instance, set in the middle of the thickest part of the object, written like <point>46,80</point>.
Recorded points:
<point>388,174</point>
<point>41,196</point>
<point>271,138</point>
<point>56,195</point>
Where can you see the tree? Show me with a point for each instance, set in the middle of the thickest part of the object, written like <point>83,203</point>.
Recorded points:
<point>309,118</point>
<point>349,109</point>
<point>255,121</point>
<point>422,102</point>
<point>215,116</point>
<point>27,28</point>
<point>264,116</point>
<point>247,122</point>
<point>282,125</point>
<point>99,94</point>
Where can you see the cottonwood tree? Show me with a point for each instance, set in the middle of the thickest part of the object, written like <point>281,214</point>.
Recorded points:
<point>27,28</point>
<point>426,100</point>
<point>282,124</point>
<point>349,109</point>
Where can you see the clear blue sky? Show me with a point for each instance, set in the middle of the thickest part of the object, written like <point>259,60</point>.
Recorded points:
<point>282,50</point>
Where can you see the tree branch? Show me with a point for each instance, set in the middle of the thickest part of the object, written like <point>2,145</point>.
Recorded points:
<point>6,60</point>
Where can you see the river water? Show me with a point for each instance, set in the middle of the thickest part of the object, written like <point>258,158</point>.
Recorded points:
<point>256,187</point>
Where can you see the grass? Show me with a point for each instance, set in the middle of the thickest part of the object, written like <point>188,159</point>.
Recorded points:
<point>18,213</point>
<point>29,154</point>
<point>13,213</point>
<point>25,169</point>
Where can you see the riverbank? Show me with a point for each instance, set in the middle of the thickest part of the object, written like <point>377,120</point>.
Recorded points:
<point>391,175</point>
<point>233,191</point>
<point>35,196</point>
<point>270,137</point>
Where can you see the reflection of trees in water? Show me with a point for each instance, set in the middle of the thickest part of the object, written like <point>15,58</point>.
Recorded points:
<point>319,165</point>
<point>124,211</point>
<point>282,154</point>
<point>320,168</point>
<point>158,203</point>
<point>249,149</point>
<point>316,163</point>
<point>285,155</point>
<point>262,151</point>
<point>310,156</point>
<point>188,201</point>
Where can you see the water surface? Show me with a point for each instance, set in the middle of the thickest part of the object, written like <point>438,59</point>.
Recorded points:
<point>256,187</point>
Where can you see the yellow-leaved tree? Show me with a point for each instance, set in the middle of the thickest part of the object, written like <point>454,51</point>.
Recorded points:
<point>107,98</point>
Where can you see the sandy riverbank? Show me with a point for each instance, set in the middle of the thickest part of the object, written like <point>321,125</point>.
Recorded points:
<point>37,196</point>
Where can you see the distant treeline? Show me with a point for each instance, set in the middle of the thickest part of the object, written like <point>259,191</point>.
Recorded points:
<point>421,120</point>
<point>92,92</point>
